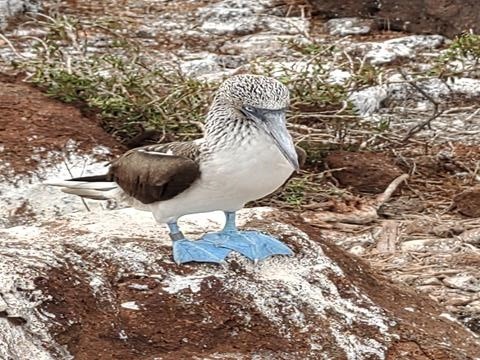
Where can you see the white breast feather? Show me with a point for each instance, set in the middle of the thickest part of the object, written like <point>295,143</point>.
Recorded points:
<point>230,178</point>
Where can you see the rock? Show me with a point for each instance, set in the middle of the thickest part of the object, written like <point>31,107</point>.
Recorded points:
<point>429,281</point>
<point>415,245</point>
<point>11,8</point>
<point>436,88</point>
<point>208,67</point>
<point>299,69</point>
<point>459,300</point>
<point>286,25</point>
<point>253,46</point>
<point>348,26</point>
<point>434,245</point>
<point>200,64</point>
<point>406,279</point>
<point>379,53</point>
<point>28,200</point>
<point>363,171</point>
<point>227,9</point>
<point>471,236</point>
<point>75,289</point>
<point>338,77</point>
<point>357,250</point>
<point>465,282</point>
<point>230,17</point>
<point>446,17</point>
<point>370,100</point>
<point>468,202</point>
<point>475,305</point>
<point>236,27</point>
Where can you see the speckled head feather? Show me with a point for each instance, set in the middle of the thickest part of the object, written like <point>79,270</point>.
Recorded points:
<point>253,90</point>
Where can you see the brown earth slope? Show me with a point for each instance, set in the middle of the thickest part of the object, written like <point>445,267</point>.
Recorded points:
<point>446,17</point>
<point>34,127</point>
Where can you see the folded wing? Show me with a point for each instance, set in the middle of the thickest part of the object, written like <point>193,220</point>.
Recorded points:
<point>155,173</point>
<point>149,174</point>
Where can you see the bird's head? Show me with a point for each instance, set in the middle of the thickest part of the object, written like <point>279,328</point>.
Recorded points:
<point>263,101</point>
<point>255,91</point>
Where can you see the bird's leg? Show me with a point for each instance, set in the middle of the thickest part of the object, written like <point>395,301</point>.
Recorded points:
<point>199,251</point>
<point>230,224</point>
<point>175,233</point>
<point>252,244</point>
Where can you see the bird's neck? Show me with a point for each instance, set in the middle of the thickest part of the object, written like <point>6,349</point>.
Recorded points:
<point>225,126</point>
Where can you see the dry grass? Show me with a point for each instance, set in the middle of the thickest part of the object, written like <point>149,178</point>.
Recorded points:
<point>134,94</point>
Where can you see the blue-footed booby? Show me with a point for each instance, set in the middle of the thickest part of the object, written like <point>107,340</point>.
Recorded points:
<point>245,154</point>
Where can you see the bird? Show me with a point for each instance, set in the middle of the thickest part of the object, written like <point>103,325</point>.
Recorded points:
<point>246,153</point>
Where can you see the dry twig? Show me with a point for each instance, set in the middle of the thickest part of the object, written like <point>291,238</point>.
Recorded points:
<point>436,109</point>
<point>365,214</point>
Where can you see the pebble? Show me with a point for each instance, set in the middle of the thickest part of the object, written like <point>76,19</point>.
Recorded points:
<point>415,245</point>
<point>471,236</point>
<point>130,305</point>
<point>357,250</point>
<point>348,26</point>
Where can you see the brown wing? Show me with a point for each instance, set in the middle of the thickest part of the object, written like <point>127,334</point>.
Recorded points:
<point>152,173</point>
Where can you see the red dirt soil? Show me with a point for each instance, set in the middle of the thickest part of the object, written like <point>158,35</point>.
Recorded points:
<point>167,328</point>
<point>31,123</point>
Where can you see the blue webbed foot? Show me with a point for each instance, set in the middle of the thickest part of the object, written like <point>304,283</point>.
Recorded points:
<point>199,251</point>
<point>252,244</point>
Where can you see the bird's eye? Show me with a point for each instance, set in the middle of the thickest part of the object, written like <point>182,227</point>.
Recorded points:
<point>249,108</point>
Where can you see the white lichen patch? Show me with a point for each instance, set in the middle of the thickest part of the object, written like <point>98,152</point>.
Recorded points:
<point>96,283</point>
<point>21,261</point>
<point>305,281</point>
<point>175,283</point>
<point>130,305</point>
<point>138,287</point>
<point>356,348</point>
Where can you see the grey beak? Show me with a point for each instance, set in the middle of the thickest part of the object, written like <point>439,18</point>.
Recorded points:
<point>274,123</point>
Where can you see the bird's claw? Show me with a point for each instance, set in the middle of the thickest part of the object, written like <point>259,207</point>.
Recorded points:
<point>198,251</point>
<point>252,244</point>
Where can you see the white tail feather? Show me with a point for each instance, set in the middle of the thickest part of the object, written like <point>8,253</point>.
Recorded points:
<point>87,193</point>
<point>92,190</point>
<point>98,185</point>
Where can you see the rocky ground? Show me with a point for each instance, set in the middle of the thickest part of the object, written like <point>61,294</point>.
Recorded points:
<point>424,235</point>
<point>109,290</point>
